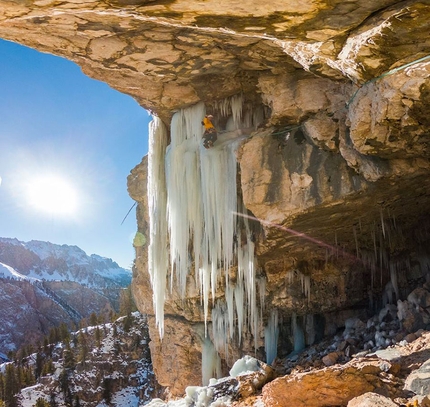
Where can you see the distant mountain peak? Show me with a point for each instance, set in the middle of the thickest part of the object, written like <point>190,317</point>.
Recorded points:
<point>43,284</point>
<point>49,261</point>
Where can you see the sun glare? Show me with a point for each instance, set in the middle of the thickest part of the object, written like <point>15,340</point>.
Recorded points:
<point>53,195</point>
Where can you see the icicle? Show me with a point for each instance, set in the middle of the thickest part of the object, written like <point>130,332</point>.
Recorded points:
<point>158,262</point>
<point>257,117</point>
<point>220,326</point>
<point>356,240</point>
<point>230,309</point>
<point>298,335</point>
<point>222,106</point>
<point>306,285</point>
<point>211,362</point>
<point>246,263</point>
<point>236,108</point>
<point>271,333</point>
<point>387,294</point>
<point>205,277</point>
<point>382,223</point>
<point>240,309</point>
<point>310,329</point>
<point>261,283</point>
<point>184,205</point>
<point>335,243</point>
<point>393,278</point>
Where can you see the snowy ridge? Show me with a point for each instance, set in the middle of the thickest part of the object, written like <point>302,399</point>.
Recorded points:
<point>9,272</point>
<point>52,262</point>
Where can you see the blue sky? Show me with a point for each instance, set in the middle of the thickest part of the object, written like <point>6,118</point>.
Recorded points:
<point>56,121</point>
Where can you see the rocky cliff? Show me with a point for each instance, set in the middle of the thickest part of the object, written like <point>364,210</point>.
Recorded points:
<point>335,174</point>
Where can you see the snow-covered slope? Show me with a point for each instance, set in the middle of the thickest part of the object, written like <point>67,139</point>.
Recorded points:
<point>9,272</point>
<point>43,284</point>
<point>116,366</point>
<point>47,261</point>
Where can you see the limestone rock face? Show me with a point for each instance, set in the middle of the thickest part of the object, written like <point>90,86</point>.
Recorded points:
<point>336,176</point>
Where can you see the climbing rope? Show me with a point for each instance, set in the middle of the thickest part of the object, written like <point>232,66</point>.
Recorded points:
<point>286,130</point>
<point>390,72</point>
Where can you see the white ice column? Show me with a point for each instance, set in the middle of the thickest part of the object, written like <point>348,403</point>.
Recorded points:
<point>158,261</point>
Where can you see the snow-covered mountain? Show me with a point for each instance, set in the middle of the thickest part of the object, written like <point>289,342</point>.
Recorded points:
<point>47,261</point>
<point>43,284</point>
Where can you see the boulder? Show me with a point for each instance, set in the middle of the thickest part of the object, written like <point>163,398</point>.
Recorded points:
<point>325,387</point>
<point>419,380</point>
<point>371,400</point>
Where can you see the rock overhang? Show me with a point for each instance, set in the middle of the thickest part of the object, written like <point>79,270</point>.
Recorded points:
<point>163,52</point>
<point>304,62</point>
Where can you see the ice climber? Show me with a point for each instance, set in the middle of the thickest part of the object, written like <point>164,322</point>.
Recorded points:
<point>210,135</point>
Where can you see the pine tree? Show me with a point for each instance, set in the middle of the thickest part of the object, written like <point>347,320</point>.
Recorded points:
<point>41,402</point>
<point>83,346</point>
<point>68,357</point>
<point>128,322</point>
<point>30,380</point>
<point>64,332</point>
<point>21,354</point>
<point>107,389</point>
<point>93,319</point>
<point>98,337</point>
<point>10,386</point>
<point>75,340</point>
<point>63,380</point>
<point>29,349</point>
<point>126,301</point>
<point>39,365</point>
<point>112,315</point>
<point>45,344</point>
<point>1,387</point>
<point>48,368</point>
<point>20,377</point>
<point>54,335</point>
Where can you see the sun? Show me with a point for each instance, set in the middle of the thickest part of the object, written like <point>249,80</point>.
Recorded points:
<point>53,195</point>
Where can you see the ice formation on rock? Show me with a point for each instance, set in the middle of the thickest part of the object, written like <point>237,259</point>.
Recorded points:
<point>158,261</point>
<point>196,211</point>
<point>271,333</point>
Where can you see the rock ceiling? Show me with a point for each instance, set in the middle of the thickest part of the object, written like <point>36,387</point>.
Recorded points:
<point>169,54</point>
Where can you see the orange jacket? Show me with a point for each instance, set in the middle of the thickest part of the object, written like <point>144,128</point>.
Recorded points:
<point>207,123</point>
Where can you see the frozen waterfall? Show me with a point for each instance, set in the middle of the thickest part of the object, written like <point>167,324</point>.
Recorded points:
<point>197,230</point>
